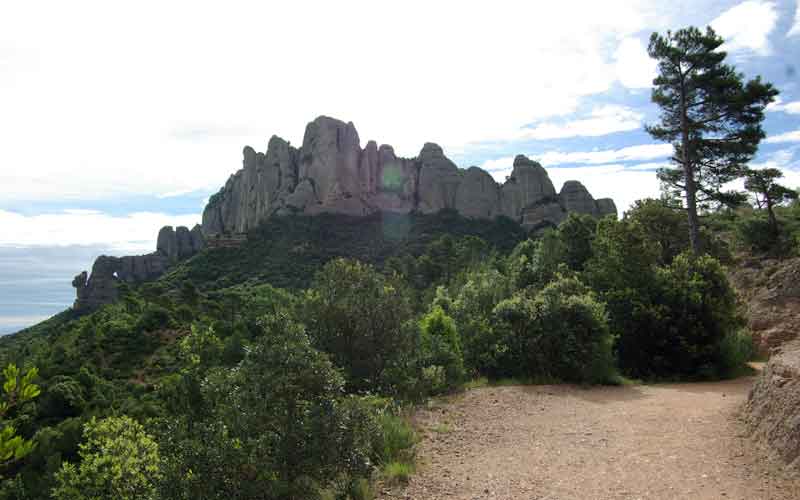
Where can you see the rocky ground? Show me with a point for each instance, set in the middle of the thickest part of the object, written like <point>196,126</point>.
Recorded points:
<point>773,409</point>
<point>560,442</point>
<point>770,292</point>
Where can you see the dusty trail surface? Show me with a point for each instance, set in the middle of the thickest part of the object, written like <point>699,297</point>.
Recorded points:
<point>559,442</point>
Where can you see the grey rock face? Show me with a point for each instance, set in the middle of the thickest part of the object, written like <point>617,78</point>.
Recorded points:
<point>100,288</point>
<point>478,195</point>
<point>606,206</point>
<point>546,213</point>
<point>576,198</point>
<point>184,242</point>
<point>167,243</point>
<point>198,240</point>
<point>528,184</point>
<point>439,179</point>
<point>331,173</point>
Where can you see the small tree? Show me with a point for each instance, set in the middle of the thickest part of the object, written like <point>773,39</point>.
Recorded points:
<point>357,315</point>
<point>767,193</point>
<point>709,114</point>
<point>118,460</point>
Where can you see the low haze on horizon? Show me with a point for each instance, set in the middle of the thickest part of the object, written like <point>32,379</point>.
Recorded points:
<point>118,119</point>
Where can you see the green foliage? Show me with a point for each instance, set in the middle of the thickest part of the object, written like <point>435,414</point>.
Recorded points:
<point>18,388</point>
<point>677,331</point>
<point>278,426</point>
<point>63,398</point>
<point>287,252</point>
<point>397,472</point>
<point>560,333</point>
<point>118,460</point>
<point>661,224</point>
<point>577,233</point>
<point>710,114</point>
<point>483,345</point>
<point>357,315</point>
<point>535,262</point>
<point>736,349</point>
<point>757,234</point>
<point>767,193</point>
<point>442,347</point>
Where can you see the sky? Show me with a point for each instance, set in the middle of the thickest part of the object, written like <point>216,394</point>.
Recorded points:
<point>117,118</point>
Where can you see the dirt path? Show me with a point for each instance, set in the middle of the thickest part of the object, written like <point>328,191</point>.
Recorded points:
<point>558,442</point>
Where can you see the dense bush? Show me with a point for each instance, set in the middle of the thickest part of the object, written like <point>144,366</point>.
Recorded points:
<point>277,427</point>
<point>756,233</point>
<point>358,316</point>
<point>559,333</point>
<point>470,304</point>
<point>118,460</point>
<point>678,331</point>
<point>441,349</point>
<point>535,262</point>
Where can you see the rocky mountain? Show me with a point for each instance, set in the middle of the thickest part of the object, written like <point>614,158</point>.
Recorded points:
<point>100,287</point>
<point>331,173</point>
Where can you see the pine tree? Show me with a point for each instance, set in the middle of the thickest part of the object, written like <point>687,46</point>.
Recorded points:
<point>712,117</point>
<point>768,193</point>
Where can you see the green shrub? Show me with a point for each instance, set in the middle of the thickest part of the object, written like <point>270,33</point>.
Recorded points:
<point>63,397</point>
<point>398,472</point>
<point>736,349</point>
<point>118,460</point>
<point>471,306</point>
<point>442,347</point>
<point>277,426</point>
<point>358,316</point>
<point>397,438</point>
<point>676,327</point>
<point>154,318</point>
<point>755,233</point>
<point>560,333</point>
<point>535,262</point>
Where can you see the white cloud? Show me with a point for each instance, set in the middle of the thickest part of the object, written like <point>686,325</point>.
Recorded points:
<point>602,120</point>
<point>783,160</point>
<point>635,69</point>
<point>795,30</point>
<point>135,232</point>
<point>793,108</point>
<point>631,153</point>
<point>97,108</point>
<point>793,136</point>
<point>746,27</point>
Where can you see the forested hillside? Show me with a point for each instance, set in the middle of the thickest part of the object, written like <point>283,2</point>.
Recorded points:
<point>344,322</point>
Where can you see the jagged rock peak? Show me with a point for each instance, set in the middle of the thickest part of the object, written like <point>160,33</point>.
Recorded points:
<point>100,287</point>
<point>331,172</point>
<point>524,161</point>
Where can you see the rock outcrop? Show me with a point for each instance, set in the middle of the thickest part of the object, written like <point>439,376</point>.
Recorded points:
<point>331,173</point>
<point>100,288</point>
<point>773,409</point>
<point>770,290</point>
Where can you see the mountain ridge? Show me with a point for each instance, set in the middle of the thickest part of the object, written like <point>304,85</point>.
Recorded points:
<point>332,174</point>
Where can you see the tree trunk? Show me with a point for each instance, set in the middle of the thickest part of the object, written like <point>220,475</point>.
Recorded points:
<point>691,187</point>
<point>773,221</point>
